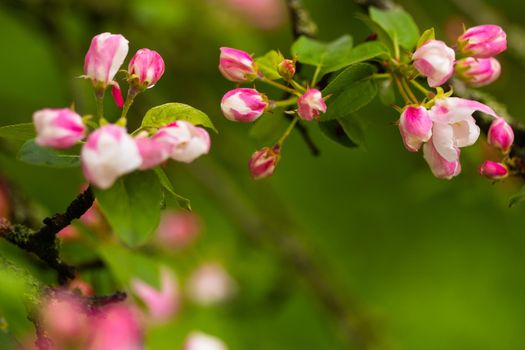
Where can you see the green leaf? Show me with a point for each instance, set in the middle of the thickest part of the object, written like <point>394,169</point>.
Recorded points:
<point>34,154</point>
<point>167,113</point>
<point>269,128</point>
<point>387,93</point>
<point>126,265</point>
<point>132,206</point>
<point>382,36</point>
<point>398,24</point>
<point>268,63</point>
<point>350,91</point>
<point>348,131</point>
<point>517,198</point>
<point>183,202</point>
<point>427,35</point>
<point>328,56</point>
<point>21,132</point>
<point>360,53</point>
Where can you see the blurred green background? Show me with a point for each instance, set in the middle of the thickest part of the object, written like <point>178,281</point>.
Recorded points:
<point>430,264</point>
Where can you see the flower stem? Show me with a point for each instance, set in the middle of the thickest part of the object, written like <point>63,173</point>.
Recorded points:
<point>316,75</point>
<point>420,87</point>
<point>130,98</point>
<point>284,103</point>
<point>402,90</point>
<point>287,131</point>
<point>99,94</point>
<point>280,86</point>
<point>410,93</point>
<point>297,86</point>
<point>381,76</point>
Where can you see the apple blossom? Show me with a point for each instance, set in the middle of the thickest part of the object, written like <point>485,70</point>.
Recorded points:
<point>440,167</point>
<point>453,125</point>
<point>500,135</point>
<point>311,104</point>
<point>202,341</point>
<point>415,126</point>
<point>237,65</point>
<point>177,229</point>
<point>104,58</point>
<point>243,105</point>
<point>434,60</point>
<point>162,304</point>
<point>152,152</point>
<point>147,66</point>
<point>109,153</point>
<point>483,41</point>
<point>210,284</point>
<point>263,162</point>
<point>186,141</point>
<point>478,72</point>
<point>493,170</point>
<point>58,128</point>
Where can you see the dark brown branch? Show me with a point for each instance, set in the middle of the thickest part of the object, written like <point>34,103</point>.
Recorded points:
<point>44,243</point>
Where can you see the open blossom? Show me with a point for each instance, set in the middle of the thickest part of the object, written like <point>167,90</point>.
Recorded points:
<point>263,162</point>
<point>161,303</point>
<point>210,284</point>
<point>243,105</point>
<point>202,341</point>
<point>440,167</point>
<point>483,41</point>
<point>147,66</point>
<point>186,141</point>
<point>104,58</point>
<point>152,152</point>
<point>58,128</point>
<point>237,65</point>
<point>453,125</point>
<point>500,135</point>
<point>493,170</point>
<point>311,104</point>
<point>116,326</point>
<point>109,153</point>
<point>435,60</point>
<point>415,126</point>
<point>478,72</point>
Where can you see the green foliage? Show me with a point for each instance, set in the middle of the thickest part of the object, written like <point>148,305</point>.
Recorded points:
<point>132,206</point>
<point>328,56</point>
<point>427,35</point>
<point>268,63</point>
<point>350,91</point>
<point>399,25</point>
<point>517,198</point>
<point>183,202</point>
<point>348,131</point>
<point>167,113</point>
<point>34,154</point>
<point>21,132</point>
<point>386,90</point>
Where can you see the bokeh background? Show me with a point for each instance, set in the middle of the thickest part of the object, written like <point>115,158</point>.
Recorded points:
<point>424,263</point>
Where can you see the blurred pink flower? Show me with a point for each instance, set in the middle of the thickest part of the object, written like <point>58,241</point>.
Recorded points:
<point>264,14</point>
<point>210,284</point>
<point>202,341</point>
<point>178,229</point>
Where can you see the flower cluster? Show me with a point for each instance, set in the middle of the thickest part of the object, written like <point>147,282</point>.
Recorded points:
<point>248,104</point>
<point>442,124</point>
<point>109,150</point>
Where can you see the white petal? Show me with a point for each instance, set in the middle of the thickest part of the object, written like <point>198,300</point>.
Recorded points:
<point>466,132</point>
<point>443,139</point>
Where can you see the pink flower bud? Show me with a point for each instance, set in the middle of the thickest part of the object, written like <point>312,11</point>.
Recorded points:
<point>104,58</point>
<point>162,304</point>
<point>79,284</point>
<point>68,233</point>
<point>286,69</point>
<point>483,41</point>
<point>210,284</point>
<point>116,327</point>
<point>177,229</point>
<point>58,128</point>
<point>311,105</point>
<point>152,152</point>
<point>186,141</point>
<point>116,92</point>
<point>263,162</point>
<point>440,167</point>
<point>243,105</point>
<point>203,341</point>
<point>147,66</point>
<point>478,72</point>
<point>109,153</point>
<point>493,170</point>
<point>237,65</point>
<point>435,60</point>
<point>500,135</point>
<point>415,126</point>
